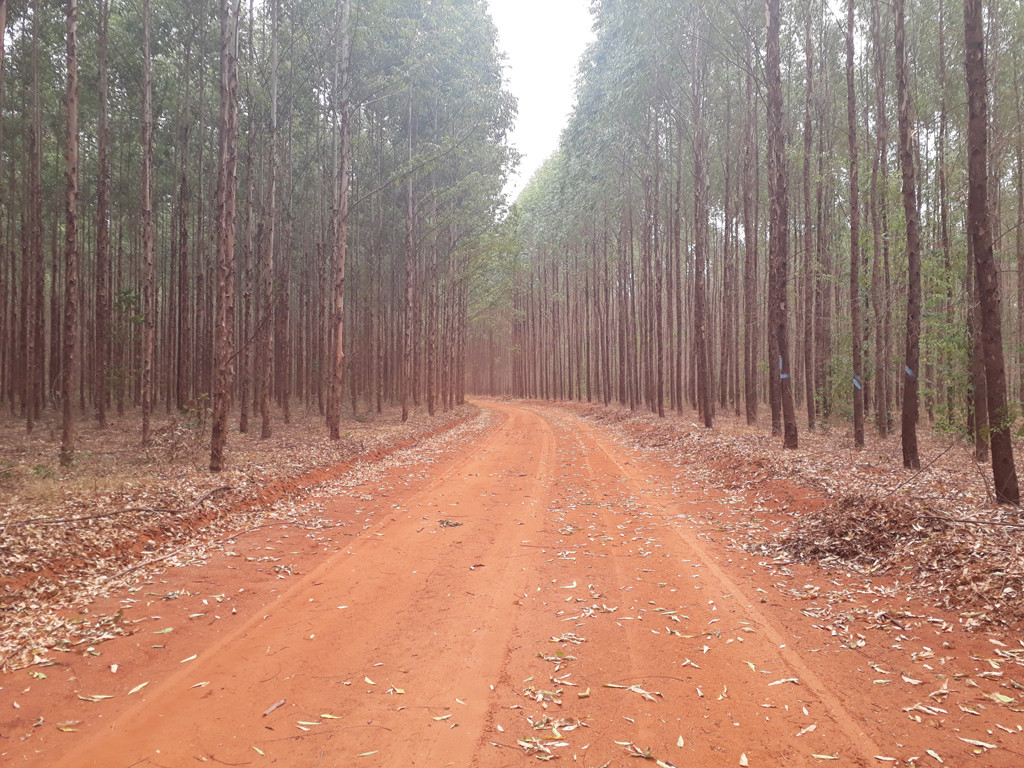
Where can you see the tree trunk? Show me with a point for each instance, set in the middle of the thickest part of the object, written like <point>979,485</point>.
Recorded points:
<point>912,358</point>
<point>226,189</point>
<point>340,252</point>
<point>149,271</point>
<point>69,362</point>
<point>750,260</point>
<point>879,203</point>
<point>778,238</point>
<point>1004,472</point>
<point>701,226</point>
<point>809,278</point>
<point>855,309</point>
<point>102,309</point>
<point>266,243</point>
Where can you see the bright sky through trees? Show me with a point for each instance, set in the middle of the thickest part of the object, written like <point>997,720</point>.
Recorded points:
<point>543,40</point>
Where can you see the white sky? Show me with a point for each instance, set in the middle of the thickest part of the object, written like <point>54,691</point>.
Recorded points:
<point>543,40</point>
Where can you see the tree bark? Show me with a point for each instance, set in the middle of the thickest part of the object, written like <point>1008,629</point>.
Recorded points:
<point>224,372</point>
<point>809,276</point>
<point>149,271</point>
<point>268,231</point>
<point>701,227</point>
<point>855,309</point>
<point>778,237</point>
<point>102,310</point>
<point>69,362</point>
<point>911,368</point>
<point>750,259</point>
<point>340,252</point>
<point>1004,472</point>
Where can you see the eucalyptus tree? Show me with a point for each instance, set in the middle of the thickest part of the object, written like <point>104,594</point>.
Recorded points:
<point>912,368</point>
<point>227,161</point>
<point>69,352</point>
<point>980,231</point>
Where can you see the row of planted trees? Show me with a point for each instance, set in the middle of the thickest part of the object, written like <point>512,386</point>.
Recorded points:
<point>735,217</point>
<point>212,203</point>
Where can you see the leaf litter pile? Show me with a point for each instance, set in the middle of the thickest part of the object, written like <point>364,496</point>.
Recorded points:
<point>122,510</point>
<point>936,531</point>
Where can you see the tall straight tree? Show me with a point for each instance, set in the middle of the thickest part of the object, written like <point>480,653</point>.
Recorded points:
<point>1004,472</point>
<point>224,366</point>
<point>809,271</point>
<point>32,263</point>
<point>778,225</point>
<point>749,251</point>
<point>268,231</point>
<point>340,250</point>
<point>912,359</point>
<point>149,270</point>
<point>69,368</point>
<point>701,218</point>
<point>102,308</point>
<point>855,318</point>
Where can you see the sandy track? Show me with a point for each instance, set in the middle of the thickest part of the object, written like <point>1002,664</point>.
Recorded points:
<point>568,600</point>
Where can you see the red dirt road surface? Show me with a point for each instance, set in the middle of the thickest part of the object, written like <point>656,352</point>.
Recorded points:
<point>534,589</point>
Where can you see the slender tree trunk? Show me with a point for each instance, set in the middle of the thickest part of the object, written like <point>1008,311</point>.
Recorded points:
<point>1004,472</point>
<point>809,277</point>
<point>149,271</point>
<point>102,309</point>
<point>267,300</point>
<point>69,363</point>
<point>701,225</point>
<point>226,190</point>
<point>855,309</point>
<point>779,225</point>
<point>750,260</point>
<point>32,277</point>
<point>410,261</point>
<point>947,256</point>
<point>8,291</point>
<point>1019,233</point>
<point>879,203</point>
<point>912,358</point>
<point>340,250</point>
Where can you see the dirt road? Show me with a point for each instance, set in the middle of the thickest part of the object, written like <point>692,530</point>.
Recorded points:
<point>538,590</point>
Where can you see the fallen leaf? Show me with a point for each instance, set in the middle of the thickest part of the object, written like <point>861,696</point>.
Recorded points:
<point>978,743</point>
